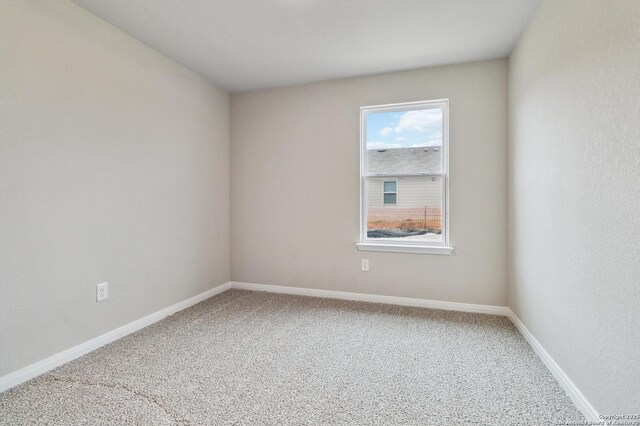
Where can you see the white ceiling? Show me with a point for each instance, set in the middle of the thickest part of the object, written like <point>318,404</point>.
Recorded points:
<point>253,44</point>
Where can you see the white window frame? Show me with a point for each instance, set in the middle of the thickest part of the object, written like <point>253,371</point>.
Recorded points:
<point>373,244</point>
<point>385,192</point>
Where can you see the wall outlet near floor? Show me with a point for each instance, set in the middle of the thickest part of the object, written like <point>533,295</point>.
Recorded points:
<point>102,292</point>
<point>365,264</point>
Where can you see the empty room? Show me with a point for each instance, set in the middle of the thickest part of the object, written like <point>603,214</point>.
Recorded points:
<point>319,212</point>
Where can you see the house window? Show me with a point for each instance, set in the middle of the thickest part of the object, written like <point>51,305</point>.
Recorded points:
<point>404,177</point>
<point>390,194</point>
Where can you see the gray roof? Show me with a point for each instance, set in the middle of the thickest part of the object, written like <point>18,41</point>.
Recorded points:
<point>404,160</point>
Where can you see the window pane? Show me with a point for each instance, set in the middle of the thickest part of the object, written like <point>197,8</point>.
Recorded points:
<point>390,186</point>
<point>416,214</point>
<point>389,198</point>
<point>404,141</point>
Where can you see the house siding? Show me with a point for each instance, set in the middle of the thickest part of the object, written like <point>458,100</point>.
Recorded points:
<point>413,191</point>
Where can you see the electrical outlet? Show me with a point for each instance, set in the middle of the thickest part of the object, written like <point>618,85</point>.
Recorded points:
<point>365,264</point>
<point>102,292</point>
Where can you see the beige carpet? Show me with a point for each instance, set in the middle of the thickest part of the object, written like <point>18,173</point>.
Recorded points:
<point>264,359</point>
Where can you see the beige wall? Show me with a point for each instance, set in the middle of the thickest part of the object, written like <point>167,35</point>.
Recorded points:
<point>295,186</point>
<point>114,166</point>
<point>574,196</point>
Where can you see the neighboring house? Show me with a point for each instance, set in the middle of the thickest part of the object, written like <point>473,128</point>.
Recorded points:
<point>404,191</point>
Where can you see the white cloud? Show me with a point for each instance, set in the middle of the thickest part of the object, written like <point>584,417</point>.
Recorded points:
<point>386,131</point>
<point>420,120</point>
<point>434,139</point>
<point>382,145</point>
<point>401,139</point>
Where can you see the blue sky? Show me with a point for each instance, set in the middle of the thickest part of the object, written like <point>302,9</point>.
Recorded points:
<point>404,129</point>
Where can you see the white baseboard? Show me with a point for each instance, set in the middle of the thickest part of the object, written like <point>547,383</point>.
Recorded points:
<point>374,298</point>
<point>47,364</point>
<point>565,382</point>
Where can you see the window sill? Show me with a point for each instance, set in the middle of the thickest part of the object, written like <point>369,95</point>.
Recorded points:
<point>398,248</point>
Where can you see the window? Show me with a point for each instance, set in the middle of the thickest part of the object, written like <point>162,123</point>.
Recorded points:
<point>390,193</point>
<point>403,177</point>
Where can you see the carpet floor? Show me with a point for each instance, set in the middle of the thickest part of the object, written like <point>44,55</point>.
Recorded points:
<point>266,359</point>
